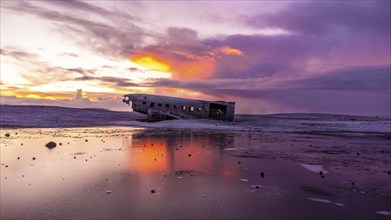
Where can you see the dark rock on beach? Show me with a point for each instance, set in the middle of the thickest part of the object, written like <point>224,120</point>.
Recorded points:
<point>51,145</point>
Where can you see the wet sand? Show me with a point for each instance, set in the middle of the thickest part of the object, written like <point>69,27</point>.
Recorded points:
<point>136,173</point>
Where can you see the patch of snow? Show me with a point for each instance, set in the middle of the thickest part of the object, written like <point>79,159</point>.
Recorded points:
<point>319,200</point>
<point>314,168</point>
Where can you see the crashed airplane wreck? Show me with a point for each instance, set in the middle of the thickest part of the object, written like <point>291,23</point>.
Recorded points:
<point>160,108</point>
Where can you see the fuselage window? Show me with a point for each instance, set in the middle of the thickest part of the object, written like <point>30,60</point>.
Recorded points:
<point>183,107</point>
<point>160,104</point>
<point>152,104</point>
<point>167,106</point>
<point>191,109</point>
<point>144,103</point>
<point>199,109</point>
<point>175,106</point>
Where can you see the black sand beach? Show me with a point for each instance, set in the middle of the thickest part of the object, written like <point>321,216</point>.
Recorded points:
<point>139,173</point>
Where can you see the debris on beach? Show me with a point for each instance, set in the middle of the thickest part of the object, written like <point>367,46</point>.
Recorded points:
<point>7,135</point>
<point>108,192</point>
<point>153,191</point>
<point>243,180</point>
<point>33,158</point>
<point>51,145</point>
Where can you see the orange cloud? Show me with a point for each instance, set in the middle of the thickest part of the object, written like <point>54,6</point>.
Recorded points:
<point>194,70</point>
<point>227,50</point>
<point>152,62</point>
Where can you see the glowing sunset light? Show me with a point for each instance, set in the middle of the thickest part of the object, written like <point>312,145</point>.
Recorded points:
<point>152,63</point>
<point>230,51</point>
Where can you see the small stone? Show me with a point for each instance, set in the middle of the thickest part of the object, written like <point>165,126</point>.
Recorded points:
<point>18,158</point>
<point>7,135</point>
<point>256,187</point>
<point>33,158</point>
<point>107,179</point>
<point>60,144</point>
<point>239,162</point>
<point>153,191</point>
<point>358,154</point>
<point>389,172</point>
<point>74,157</point>
<point>21,144</point>
<point>320,173</point>
<point>86,140</point>
<point>6,165</point>
<point>189,155</point>
<point>51,145</point>
<point>108,192</point>
<point>262,174</point>
<point>352,183</point>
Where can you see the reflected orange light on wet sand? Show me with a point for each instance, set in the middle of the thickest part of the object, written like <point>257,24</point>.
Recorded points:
<point>166,155</point>
<point>148,155</point>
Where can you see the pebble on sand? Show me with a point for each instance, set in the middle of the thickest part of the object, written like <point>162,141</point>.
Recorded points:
<point>262,174</point>
<point>33,158</point>
<point>153,191</point>
<point>7,135</point>
<point>108,192</point>
<point>51,145</point>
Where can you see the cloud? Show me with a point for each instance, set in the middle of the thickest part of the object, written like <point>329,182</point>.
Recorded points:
<point>111,38</point>
<point>326,18</point>
<point>358,90</point>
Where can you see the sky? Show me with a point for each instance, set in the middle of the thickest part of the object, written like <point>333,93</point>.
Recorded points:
<point>267,56</point>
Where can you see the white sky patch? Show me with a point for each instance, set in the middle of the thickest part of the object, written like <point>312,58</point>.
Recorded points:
<point>9,73</point>
<point>71,86</point>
